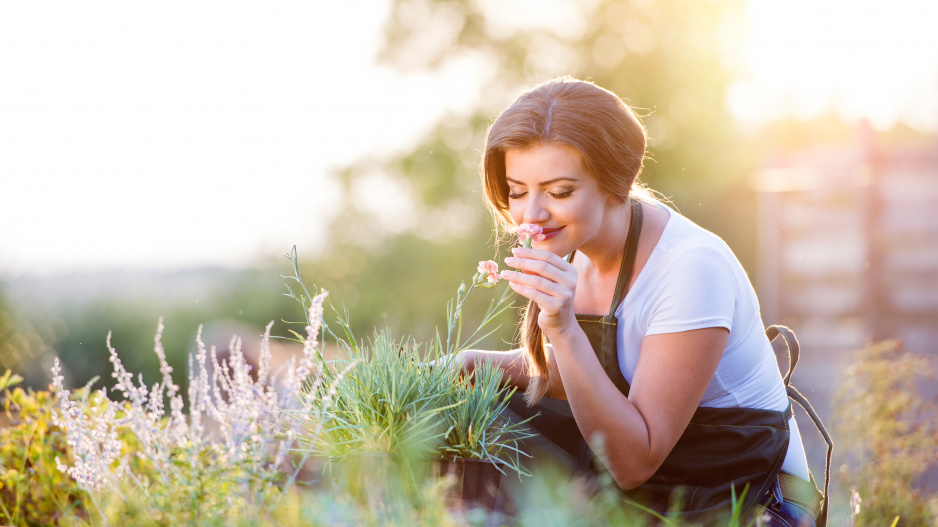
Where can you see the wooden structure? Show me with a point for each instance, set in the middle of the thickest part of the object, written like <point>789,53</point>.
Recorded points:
<point>848,254</point>
<point>849,245</point>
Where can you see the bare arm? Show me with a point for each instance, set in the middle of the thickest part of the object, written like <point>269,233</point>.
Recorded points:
<point>512,364</point>
<point>670,379</point>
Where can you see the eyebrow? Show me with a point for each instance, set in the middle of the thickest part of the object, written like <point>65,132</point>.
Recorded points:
<point>543,183</point>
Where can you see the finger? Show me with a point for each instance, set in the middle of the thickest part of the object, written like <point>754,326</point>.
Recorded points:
<point>540,254</point>
<point>566,278</point>
<point>546,258</point>
<point>546,302</point>
<point>539,283</point>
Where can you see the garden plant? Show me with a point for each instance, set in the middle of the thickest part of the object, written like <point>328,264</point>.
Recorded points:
<point>398,405</point>
<point>383,415</point>
<point>890,434</point>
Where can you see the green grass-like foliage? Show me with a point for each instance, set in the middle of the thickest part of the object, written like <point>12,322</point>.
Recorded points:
<point>388,402</point>
<point>401,398</point>
<point>478,429</point>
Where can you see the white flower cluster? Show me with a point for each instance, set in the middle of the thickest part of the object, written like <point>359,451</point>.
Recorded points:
<point>232,417</point>
<point>90,435</point>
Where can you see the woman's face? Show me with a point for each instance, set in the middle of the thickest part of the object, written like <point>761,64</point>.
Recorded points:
<point>548,185</point>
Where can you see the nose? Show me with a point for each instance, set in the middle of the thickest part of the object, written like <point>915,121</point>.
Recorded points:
<point>534,210</point>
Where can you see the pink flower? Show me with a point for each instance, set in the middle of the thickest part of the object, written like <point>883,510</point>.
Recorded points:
<point>529,230</point>
<point>490,270</point>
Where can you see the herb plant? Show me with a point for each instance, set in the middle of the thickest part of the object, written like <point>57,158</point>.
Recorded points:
<point>401,398</point>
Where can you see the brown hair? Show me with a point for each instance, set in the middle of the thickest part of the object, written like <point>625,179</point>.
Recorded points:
<point>604,130</point>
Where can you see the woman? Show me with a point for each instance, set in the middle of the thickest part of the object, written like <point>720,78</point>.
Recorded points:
<point>678,380</point>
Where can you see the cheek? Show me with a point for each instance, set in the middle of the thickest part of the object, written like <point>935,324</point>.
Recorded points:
<point>580,214</point>
<point>516,212</point>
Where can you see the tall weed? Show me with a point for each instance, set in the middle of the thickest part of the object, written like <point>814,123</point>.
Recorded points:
<point>891,434</point>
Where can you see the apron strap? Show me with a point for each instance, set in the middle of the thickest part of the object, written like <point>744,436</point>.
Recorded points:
<point>795,395</point>
<point>794,352</point>
<point>791,343</point>
<point>628,259</point>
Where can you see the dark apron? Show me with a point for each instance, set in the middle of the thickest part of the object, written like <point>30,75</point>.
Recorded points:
<point>722,449</point>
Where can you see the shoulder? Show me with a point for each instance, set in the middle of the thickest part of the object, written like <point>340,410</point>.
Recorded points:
<point>691,281</point>
<point>687,246</point>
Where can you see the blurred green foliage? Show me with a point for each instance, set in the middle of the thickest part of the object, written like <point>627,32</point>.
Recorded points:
<point>673,60</point>
<point>32,489</point>
<point>21,341</point>
<point>74,326</point>
<point>890,430</point>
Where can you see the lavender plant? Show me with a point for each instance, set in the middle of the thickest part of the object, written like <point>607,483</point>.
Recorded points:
<point>231,447</point>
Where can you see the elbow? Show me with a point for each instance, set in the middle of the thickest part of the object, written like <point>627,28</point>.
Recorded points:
<point>632,474</point>
<point>630,480</point>
<point>630,466</point>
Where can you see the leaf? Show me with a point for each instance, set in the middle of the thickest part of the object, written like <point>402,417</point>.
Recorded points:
<point>9,379</point>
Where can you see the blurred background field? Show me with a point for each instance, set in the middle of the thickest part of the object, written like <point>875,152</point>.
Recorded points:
<point>159,161</point>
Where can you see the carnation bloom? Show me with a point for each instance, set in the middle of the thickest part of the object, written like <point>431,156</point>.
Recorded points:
<point>529,231</point>
<point>489,269</point>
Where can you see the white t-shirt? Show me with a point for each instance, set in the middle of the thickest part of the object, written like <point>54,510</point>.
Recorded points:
<point>692,280</point>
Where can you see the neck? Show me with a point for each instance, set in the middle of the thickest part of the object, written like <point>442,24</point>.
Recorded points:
<point>605,249</point>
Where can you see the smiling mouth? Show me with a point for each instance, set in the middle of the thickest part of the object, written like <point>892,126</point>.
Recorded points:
<point>551,232</point>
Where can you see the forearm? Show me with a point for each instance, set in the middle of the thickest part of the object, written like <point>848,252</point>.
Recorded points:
<point>510,362</point>
<point>601,410</point>
<point>672,374</point>
<point>513,365</point>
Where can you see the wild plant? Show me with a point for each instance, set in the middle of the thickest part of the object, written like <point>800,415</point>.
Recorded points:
<point>891,432</point>
<point>405,399</point>
<point>478,428</point>
<point>32,490</point>
<point>230,448</point>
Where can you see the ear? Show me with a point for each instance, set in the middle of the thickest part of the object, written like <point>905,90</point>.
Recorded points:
<point>613,201</point>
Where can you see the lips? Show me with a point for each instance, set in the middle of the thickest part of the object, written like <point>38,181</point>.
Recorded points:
<point>550,232</point>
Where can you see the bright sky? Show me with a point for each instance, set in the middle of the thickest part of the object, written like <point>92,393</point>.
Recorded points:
<point>190,133</point>
<point>864,58</point>
<point>183,134</point>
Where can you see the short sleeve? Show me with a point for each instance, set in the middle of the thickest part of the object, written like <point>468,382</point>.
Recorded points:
<point>698,289</point>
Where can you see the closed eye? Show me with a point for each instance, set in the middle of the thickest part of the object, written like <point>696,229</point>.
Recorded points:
<point>555,195</point>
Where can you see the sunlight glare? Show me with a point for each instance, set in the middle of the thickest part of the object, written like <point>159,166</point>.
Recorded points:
<point>176,134</point>
<point>862,59</point>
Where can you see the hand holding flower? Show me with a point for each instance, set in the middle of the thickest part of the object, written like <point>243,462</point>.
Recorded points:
<point>548,280</point>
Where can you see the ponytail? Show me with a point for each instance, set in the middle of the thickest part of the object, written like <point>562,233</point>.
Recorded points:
<point>536,364</point>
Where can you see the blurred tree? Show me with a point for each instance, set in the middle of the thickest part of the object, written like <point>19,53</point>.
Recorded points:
<point>48,321</point>
<point>21,341</point>
<point>413,225</point>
